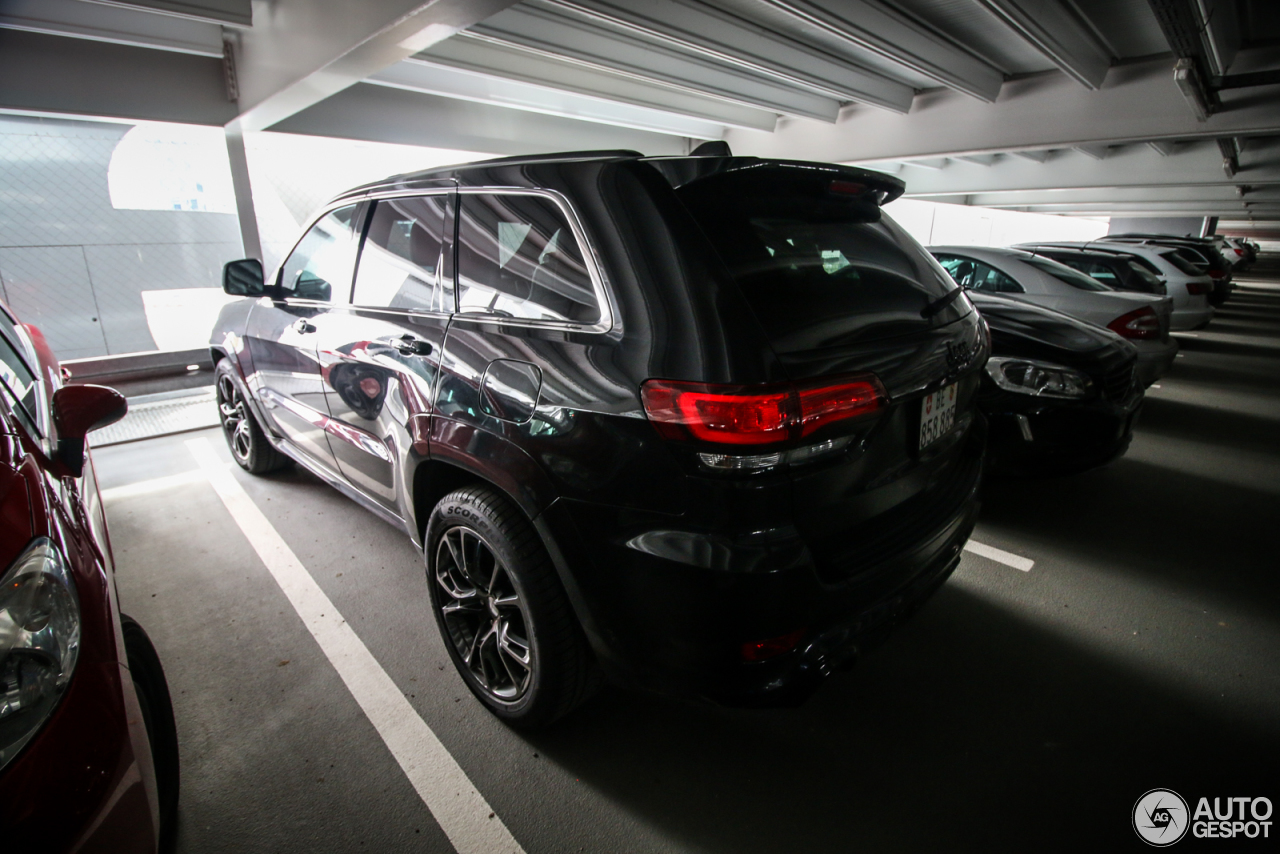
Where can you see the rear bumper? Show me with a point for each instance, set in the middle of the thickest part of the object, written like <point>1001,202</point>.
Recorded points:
<point>667,609</point>
<point>1191,318</point>
<point>1154,359</point>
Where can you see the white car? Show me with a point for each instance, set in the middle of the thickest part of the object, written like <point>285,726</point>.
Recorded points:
<point>1141,318</point>
<point>1188,284</point>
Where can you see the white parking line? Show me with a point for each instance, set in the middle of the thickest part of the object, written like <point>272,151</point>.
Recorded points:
<point>1000,556</point>
<point>462,812</point>
<point>156,484</point>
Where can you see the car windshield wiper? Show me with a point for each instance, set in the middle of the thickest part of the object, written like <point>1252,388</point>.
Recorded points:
<point>941,302</point>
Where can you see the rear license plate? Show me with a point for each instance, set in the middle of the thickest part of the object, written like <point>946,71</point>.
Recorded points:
<point>937,415</point>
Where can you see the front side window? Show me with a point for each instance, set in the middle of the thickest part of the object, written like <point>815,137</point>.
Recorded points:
<point>18,382</point>
<point>322,260</point>
<point>399,264</point>
<point>518,257</point>
<point>977,276</point>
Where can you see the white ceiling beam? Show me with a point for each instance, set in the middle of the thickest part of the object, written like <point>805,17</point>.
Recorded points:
<point>234,13</point>
<point>1165,147</point>
<point>714,34</point>
<point>1051,28</point>
<point>933,164</point>
<point>1133,166</point>
<point>112,24</point>
<point>384,114</point>
<point>300,52</point>
<point>1097,152</point>
<point>1034,156</point>
<point>1140,102</point>
<point>892,35</point>
<point>50,74</point>
<point>979,159</point>
<point>549,32</point>
<point>1121,195</point>
<point>419,76</point>
<point>482,56</point>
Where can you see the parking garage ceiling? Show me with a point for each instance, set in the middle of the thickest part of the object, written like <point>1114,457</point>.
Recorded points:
<point>1102,107</point>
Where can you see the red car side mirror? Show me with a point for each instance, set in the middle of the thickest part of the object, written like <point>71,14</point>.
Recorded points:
<point>79,409</point>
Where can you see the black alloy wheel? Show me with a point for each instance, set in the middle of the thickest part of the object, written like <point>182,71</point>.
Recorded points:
<point>502,612</point>
<point>483,614</point>
<point>248,443</point>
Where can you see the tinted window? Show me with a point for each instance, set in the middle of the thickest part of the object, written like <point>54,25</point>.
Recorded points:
<point>398,264</point>
<point>322,260</point>
<point>18,377</point>
<point>1183,263</point>
<point>517,257</point>
<point>977,276</point>
<point>1138,268</point>
<point>1063,273</point>
<point>809,248</point>
<point>1102,272</point>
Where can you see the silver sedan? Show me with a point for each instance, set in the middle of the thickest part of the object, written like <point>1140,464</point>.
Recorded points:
<point>1189,285</point>
<point>1141,318</point>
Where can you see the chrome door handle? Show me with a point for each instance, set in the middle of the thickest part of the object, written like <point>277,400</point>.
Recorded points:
<point>303,327</point>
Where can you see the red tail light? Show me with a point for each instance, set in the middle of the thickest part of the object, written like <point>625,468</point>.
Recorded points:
<point>771,648</point>
<point>1142,324</point>
<point>1198,288</point>
<point>760,414</point>
<point>1217,274</point>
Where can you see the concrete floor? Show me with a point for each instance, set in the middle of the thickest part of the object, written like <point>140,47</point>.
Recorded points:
<point>1019,711</point>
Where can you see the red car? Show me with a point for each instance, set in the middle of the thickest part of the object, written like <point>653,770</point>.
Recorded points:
<point>88,747</point>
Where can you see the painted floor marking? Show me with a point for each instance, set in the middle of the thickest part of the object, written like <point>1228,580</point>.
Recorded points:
<point>154,485</point>
<point>1000,556</point>
<point>461,811</point>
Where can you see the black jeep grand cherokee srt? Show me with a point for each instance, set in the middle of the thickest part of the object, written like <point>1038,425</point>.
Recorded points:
<point>704,425</point>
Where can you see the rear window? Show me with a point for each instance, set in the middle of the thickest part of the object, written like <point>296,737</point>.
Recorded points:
<point>1074,278</point>
<point>1183,263</point>
<point>807,249</point>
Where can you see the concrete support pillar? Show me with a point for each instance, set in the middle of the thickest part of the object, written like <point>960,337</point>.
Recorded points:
<point>1209,226</point>
<point>250,241</point>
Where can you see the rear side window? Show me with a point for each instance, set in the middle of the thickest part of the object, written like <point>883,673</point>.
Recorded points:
<point>18,378</point>
<point>809,246</point>
<point>1062,272</point>
<point>977,276</point>
<point>518,257</point>
<point>399,263</point>
<point>322,260</point>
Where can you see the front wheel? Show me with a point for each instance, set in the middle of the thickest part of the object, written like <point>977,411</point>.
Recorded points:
<point>502,612</point>
<point>245,437</point>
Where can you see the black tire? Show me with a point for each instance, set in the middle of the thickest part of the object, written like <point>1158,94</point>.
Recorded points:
<point>245,437</point>
<point>502,612</point>
<point>157,713</point>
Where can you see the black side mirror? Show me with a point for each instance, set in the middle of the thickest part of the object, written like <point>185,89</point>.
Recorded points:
<point>243,278</point>
<point>77,410</point>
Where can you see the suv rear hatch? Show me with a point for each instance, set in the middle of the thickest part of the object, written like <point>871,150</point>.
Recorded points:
<point>841,291</point>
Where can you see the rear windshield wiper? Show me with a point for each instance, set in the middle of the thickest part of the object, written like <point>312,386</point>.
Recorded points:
<point>941,302</point>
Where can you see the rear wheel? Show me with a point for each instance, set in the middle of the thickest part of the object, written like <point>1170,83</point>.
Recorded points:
<point>502,612</point>
<point>245,437</point>
<point>157,715</point>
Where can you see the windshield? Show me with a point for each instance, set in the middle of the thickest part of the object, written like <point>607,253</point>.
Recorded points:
<point>1074,278</point>
<point>811,260</point>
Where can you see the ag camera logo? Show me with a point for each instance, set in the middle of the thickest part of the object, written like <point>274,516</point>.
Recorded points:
<point>1160,817</point>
